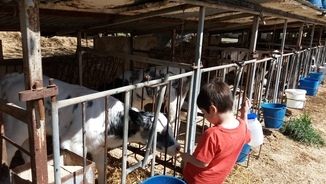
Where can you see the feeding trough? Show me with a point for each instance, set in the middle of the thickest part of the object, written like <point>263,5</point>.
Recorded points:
<point>71,170</point>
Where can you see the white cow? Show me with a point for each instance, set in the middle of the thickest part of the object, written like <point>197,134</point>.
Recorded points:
<point>70,119</point>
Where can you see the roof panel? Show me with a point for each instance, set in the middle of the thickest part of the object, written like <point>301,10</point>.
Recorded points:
<point>65,17</point>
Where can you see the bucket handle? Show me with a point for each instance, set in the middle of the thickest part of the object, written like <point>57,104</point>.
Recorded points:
<point>274,118</point>
<point>292,93</point>
<point>303,100</point>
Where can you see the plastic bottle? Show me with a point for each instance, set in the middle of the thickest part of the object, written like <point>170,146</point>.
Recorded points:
<point>257,136</point>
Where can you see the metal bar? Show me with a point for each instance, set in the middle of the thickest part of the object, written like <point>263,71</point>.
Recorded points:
<point>321,29</point>
<point>190,142</point>
<point>14,110</point>
<point>137,165</point>
<point>312,35</point>
<point>84,140</point>
<point>292,72</point>
<point>16,145</point>
<point>125,137</point>
<point>285,75</point>
<point>71,101</point>
<point>3,151</point>
<point>254,35</point>
<point>279,68</point>
<point>159,102</point>
<point>1,51</point>
<point>189,127</point>
<point>152,136</point>
<point>229,65</point>
<point>253,43</point>
<point>56,141</point>
<point>105,136</point>
<point>299,40</point>
<point>80,58</point>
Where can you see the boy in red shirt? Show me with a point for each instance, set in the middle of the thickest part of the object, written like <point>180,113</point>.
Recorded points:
<point>219,147</point>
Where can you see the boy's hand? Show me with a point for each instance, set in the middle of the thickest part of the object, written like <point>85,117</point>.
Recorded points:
<point>245,106</point>
<point>186,157</point>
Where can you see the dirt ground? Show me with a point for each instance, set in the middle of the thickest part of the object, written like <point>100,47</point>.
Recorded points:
<point>281,159</point>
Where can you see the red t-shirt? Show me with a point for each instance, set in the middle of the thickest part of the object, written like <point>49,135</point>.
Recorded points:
<point>220,148</point>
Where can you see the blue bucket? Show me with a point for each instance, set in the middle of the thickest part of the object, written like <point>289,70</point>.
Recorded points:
<point>163,179</point>
<point>244,153</point>
<point>323,2</point>
<point>317,3</point>
<point>310,85</point>
<point>317,75</point>
<point>274,114</point>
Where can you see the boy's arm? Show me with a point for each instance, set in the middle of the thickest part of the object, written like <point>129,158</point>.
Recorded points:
<point>245,110</point>
<point>186,157</point>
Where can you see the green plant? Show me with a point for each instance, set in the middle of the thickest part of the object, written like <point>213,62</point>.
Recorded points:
<point>301,130</point>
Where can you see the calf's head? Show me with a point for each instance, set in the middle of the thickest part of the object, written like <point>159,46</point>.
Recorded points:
<point>142,122</point>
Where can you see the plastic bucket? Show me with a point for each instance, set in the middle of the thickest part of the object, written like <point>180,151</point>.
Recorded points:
<point>317,75</point>
<point>317,3</point>
<point>274,114</point>
<point>310,85</point>
<point>323,2</point>
<point>163,179</point>
<point>244,153</point>
<point>322,69</point>
<point>295,98</point>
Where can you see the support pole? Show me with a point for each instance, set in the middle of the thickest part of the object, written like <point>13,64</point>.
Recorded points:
<point>312,35</point>
<point>3,151</point>
<point>299,40</point>
<point>195,85</point>
<point>280,62</point>
<point>30,29</point>
<point>80,59</point>
<point>252,50</point>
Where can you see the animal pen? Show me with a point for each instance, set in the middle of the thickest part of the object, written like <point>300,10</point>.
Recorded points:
<point>260,48</point>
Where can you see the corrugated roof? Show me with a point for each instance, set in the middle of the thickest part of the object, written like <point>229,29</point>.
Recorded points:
<point>148,16</point>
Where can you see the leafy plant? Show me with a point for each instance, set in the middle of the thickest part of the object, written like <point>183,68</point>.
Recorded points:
<point>301,130</point>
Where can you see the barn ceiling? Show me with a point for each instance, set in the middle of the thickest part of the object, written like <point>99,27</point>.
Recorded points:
<point>66,17</point>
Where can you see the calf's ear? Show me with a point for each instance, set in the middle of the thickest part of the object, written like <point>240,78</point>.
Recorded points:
<point>139,118</point>
<point>134,115</point>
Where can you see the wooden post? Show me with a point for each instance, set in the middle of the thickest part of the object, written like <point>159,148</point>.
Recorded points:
<point>3,151</point>
<point>299,40</point>
<point>1,51</point>
<point>312,35</point>
<point>252,52</point>
<point>80,58</point>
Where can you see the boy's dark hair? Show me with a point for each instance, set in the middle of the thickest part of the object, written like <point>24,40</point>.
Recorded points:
<point>215,93</point>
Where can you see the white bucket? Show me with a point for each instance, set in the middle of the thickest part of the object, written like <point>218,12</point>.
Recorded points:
<point>322,69</point>
<point>295,98</point>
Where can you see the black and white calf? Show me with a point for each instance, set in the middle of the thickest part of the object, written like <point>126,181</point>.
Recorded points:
<point>70,123</point>
<point>140,99</point>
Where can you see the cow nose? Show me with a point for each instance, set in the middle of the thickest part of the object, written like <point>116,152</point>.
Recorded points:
<point>177,149</point>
